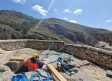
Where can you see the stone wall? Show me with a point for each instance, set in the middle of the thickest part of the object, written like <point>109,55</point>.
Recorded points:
<point>12,44</point>
<point>96,55</point>
<point>44,44</point>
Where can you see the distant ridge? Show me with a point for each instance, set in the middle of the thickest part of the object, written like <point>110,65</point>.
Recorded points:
<point>16,25</point>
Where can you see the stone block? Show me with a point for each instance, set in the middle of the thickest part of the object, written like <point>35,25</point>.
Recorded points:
<point>102,59</point>
<point>93,59</point>
<point>15,65</point>
<point>84,57</point>
<point>109,57</point>
<point>83,53</point>
<point>76,54</point>
<point>109,65</point>
<point>92,55</point>
<point>87,51</point>
<point>101,55</point>
<point>88,58</point>
<point>85,62</point>
<point>96,56</point>
<point>98,62</point>
<point>110,60</point>
<point>78,63</point>
<point>96,53</point>
<point>103,63</point>
<point>73,64</point>
<point>82,50</point>
<point>105,57</point>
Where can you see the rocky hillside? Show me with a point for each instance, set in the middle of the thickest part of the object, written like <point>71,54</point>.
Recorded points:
<point>16,25</point>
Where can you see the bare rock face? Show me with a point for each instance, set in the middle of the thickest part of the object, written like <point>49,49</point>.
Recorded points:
<point>8,33</point>
<point>85,38</point>
<point>81,37</point>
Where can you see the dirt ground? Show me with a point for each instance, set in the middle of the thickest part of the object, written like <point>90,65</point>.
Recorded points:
<point>95,72</point>
<point>86,72</point>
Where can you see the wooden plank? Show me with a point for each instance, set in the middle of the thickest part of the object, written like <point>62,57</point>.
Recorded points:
<point>17,58</point>
<point>56,73</point>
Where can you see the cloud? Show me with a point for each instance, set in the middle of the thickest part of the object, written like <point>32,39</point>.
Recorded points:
<point>66,11</point>
<point>78,11</point>
<point>108,21</point>
<point>55,10</point>
<point>65,18</point>
<point>40,10</point>
<point>73,21</point>
<point>19,1</point>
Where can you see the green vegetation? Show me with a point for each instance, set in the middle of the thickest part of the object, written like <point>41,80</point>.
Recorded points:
<point>51,29</point>
<point>25,26</point>
<point>17,14</point>
<point>99,36</point>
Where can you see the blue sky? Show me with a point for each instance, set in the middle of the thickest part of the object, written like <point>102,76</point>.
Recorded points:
<point>92,13</point>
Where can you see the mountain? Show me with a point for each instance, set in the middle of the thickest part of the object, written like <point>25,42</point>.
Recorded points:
<point>16,25</point>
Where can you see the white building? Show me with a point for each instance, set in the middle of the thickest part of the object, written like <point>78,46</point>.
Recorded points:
<point>101,44</point>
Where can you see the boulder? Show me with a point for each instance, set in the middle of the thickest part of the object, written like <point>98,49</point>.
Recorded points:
<point>78,63</point>
<point>15,65</point>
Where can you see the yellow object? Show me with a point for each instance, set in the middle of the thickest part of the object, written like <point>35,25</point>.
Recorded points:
<point>35,55</point>
<point>17,58</point>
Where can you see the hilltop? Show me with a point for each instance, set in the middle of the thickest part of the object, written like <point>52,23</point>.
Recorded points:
<point>16,25</point>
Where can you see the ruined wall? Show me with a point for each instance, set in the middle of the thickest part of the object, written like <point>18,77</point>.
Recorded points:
<point>98,56</point>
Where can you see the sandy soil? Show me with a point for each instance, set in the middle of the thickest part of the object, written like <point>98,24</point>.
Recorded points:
<point>86,73</point>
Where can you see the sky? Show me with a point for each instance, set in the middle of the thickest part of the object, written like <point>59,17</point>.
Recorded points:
<point>92,13</point>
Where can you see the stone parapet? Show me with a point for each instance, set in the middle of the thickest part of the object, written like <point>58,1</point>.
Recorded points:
<point>9,45</point>
<point>44,44</point>
<point>98,56</point>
